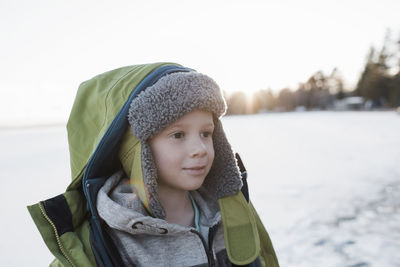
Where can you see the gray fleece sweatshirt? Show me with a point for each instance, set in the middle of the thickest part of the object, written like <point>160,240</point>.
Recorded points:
<point>143,240</point>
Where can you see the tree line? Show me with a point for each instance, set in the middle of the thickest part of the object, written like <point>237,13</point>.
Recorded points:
<point>378,86</point>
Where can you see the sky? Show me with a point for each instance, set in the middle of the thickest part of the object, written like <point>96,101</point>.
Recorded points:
<point>48,47</point>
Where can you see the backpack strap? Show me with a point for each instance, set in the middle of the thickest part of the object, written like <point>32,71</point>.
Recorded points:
<point>243,172</point>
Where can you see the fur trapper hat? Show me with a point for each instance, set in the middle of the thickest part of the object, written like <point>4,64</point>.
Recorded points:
<point>161,104</point>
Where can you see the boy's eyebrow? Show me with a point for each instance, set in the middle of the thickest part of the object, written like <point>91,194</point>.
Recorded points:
<point>210,124</point>
<point>178,125</point>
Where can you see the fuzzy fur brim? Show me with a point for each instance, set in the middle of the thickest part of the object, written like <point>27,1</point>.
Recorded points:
<point>170,98</point>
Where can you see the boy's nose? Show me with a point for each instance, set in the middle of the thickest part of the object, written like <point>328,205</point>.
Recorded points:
<point>197,148</point>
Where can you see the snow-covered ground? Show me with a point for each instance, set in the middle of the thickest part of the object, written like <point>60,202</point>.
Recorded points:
<point>326,185</point>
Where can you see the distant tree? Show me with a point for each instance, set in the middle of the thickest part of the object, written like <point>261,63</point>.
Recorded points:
<point>363,81</point>
<point>317,87</point>
<point>263,100</point>
<point>373,84</point>
<point>394,98</point>
<point>237,103</point>
<point>270,100</point>
<point>378,82</point>
<point>257,102</point>
<point>301,96</point>
<point>336,85</point>
<point>340,95</point>
<point>286,99</point>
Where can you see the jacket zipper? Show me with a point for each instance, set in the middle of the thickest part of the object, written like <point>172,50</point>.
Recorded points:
<point>209,253</point>
<point>56,234</point>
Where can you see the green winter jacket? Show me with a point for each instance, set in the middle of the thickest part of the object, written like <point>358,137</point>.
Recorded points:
<point>69,223</point>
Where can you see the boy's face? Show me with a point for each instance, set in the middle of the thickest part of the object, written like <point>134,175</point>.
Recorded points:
<point>184,151</point>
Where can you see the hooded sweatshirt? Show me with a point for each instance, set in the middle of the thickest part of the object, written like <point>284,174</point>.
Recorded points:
<point>143,240</point>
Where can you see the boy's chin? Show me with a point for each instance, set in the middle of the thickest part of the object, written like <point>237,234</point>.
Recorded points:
<point>194,185</point>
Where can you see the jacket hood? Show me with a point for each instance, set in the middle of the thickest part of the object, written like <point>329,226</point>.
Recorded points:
<point>97,104</point>
<point>98,113</point>
<point>100,140</point>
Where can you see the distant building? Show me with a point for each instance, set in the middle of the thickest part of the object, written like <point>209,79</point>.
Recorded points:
<point>349,103</point>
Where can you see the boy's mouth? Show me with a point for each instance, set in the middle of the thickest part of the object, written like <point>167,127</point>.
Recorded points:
<point>195,170</point>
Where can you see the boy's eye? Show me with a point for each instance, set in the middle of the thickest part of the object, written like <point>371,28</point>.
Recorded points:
<point>206,134</point>
<point>178,135</point>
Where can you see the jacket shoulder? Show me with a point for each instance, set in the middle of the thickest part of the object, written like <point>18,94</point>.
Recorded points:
<point>64,228</point>
<point>56,263</point>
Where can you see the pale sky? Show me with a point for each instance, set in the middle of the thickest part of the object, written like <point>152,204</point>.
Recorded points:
<point>49,47</point>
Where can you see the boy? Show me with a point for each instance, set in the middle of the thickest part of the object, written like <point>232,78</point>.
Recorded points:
<point>167,191</point>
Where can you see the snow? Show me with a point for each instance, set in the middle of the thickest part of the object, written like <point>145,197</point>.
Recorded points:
<point>326,185</point>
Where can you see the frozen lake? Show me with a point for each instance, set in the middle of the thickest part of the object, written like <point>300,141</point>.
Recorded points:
<point>326,185</point>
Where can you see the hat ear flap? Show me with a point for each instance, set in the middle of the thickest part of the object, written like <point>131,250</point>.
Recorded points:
<point>150,182</point>
<point>224,177</point>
